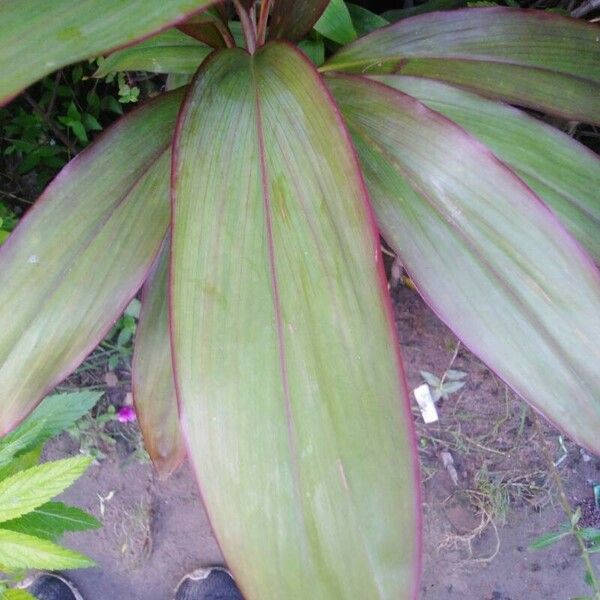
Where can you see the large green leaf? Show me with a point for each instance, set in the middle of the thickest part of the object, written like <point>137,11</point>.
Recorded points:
<point>426,7</point>
<point>364,20</point>
<point>564,173</point>
<point>531,58</point>
<point>26,490</point>
<point>168,52</point>
<point>21,551</point>
<point>40,36</point>
<point>51,520</point>
<point>292,20</point>
<point>51,417</point>
<point>287,370</point>
<point>336,23</point>
<point>487,255</point>
<point>74,262</point>
<point>152,374</point>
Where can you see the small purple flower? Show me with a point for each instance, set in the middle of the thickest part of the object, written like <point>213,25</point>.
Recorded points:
<point>126,414</point>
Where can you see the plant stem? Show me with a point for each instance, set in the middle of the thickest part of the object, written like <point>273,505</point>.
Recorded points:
<point>454,356</point>
<point>223,29</point>
<point>567,508</point>
<point>54,90</point>
<point>15,197</point>
<point>265,8</point>
<point>247,27</point>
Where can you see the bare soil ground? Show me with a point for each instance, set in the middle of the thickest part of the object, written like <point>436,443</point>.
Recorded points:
<point>476,528</point>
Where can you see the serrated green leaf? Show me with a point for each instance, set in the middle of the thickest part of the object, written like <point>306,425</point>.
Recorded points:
<point>26,490</point>
<point>24,461</point>
<point>51,520</point>
<point>168,52</point>
<point>21,551</point>
<point>19,440</point>
<point>336,24</point>
<point>529,58</point>
<point>563,172</point>
<point>41,36</point>
<point>86,222</point>
<point>483,250</point>
<point>292,399</point>
<point>54,414</point>
<point>153,385</point>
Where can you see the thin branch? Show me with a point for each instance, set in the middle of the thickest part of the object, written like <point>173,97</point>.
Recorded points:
<point>54,90</point>
<point>265,8</point>
<point>247,27</point>
<point>15,197</point>
<point>57,132</point>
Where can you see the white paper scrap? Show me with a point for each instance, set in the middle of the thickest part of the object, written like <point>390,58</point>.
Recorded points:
<point>426,403</point>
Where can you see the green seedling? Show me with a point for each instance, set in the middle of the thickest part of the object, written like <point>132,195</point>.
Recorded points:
<point>449,383</point>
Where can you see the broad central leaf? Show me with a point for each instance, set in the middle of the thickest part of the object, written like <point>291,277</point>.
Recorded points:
<point>291,393</point>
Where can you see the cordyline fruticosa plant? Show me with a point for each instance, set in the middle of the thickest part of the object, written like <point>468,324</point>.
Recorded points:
<point>248,205</point>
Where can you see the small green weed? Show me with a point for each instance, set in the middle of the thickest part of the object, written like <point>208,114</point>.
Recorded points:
<point>42,130</point>
<point>90,432</point>
<point>31,523</point>
<point>449,383</point>
<point>588,539</point>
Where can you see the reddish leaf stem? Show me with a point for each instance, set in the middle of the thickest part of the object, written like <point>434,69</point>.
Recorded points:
<point>265,8</point>
<point>247,27</point>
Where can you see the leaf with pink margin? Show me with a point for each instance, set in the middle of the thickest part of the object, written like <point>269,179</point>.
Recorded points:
<point>526,57</point>
<point>563,172</point>
<point>152,374</point>
<point>486,254</point>
<point>81,253</point>
<point>291,392</point>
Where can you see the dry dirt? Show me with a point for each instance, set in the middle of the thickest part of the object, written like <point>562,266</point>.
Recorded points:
<point>476,532</point>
